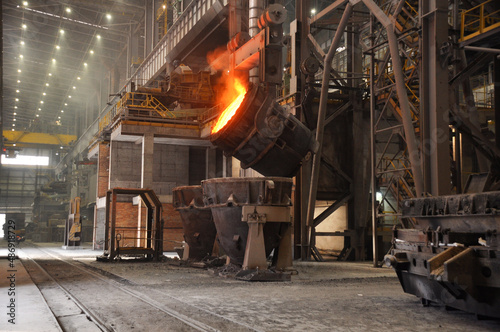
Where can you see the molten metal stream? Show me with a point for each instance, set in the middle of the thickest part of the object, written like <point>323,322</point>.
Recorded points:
<point>230,111</point>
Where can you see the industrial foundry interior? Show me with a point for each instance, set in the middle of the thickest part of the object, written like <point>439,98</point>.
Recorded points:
<point>332,164</point>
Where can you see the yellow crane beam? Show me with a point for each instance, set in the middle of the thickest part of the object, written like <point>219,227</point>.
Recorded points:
<point>27,138</point>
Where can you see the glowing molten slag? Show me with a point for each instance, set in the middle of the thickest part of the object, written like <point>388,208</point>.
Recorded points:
<point>232,108</point>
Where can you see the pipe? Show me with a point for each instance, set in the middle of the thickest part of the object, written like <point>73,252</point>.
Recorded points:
<point>411,140</point>
<point>322,112</point>
<point>482,49</point>
<point>373,155</point>
<point>255,8</point>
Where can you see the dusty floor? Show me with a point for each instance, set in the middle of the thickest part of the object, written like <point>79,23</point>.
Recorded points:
<point>322,297</point>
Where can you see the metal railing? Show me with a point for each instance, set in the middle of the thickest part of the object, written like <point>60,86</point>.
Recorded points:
<point>476,21</point>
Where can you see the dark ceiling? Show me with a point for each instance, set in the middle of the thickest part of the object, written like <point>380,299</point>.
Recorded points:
<point>56,49</point>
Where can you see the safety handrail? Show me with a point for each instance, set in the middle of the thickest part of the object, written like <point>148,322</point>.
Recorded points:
<point>475,22</point>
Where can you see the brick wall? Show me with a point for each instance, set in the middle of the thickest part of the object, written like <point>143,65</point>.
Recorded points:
<point>103,170</point>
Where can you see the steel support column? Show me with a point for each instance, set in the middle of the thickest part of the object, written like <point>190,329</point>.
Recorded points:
<point>147,161</point>
<point>434,102</point>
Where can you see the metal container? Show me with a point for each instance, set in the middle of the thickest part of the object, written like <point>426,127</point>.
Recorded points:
<point>197,221</point>
<point>227,196</point>
<point>265,136</point>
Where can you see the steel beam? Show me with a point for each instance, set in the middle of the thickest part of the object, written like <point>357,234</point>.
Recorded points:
<point>322,113</point>
<point>411,140</point>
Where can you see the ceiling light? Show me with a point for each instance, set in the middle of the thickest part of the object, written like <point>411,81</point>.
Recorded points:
<point>58,47</point>
<point>58,117</point>
<point>91,52</point>
<point>14,119</point>
<point>62,111</point>
<point>41,101</point>
<point>108,16</point>
<point>68,10</point>
<point>74,87</point>
<point>21,56</point>
<point>24,26</point>
<point>22,42</point>
<point>13,125</point>
<point>15,113</point>
<point>44,94</point>
<point>78,78</point>
<point>46,84</point>
<point>15,107</point>
<point>164,7</point>
<point>17,99</point>
<point>37,115</point>
<point>17,91</point>
<point>98,36</point>
<point>65,104</point>
<point>39,109</point>
<point>61,147</point>
<point>13,129</point>
<point>50,74</point>
<point>14,143</point>
<point>69,96</point>
<point>61,32</point>
<point>313,11</point>
<point>19,70</point>
<point>53,60</point>
<point>25,3</point>
<point>18,81</point>
<point>85,64</point>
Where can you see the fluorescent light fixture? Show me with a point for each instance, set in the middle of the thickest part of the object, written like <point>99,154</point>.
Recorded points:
<point>24,160</point>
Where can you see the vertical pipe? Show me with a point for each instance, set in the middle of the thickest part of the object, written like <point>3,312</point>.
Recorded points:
<point>411,140</point>
<point>322,113</point>
<point>457,146</point>
<point>373,146</point>
<point>497,100</point>
<point>255,8</point>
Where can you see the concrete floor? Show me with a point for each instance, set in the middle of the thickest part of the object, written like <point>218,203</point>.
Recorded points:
<point>336,296</point>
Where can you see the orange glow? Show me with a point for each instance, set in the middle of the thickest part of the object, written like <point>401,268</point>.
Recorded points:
<point>228,113</point>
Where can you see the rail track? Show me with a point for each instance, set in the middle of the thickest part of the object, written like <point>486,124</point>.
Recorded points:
<point>103,298</point>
